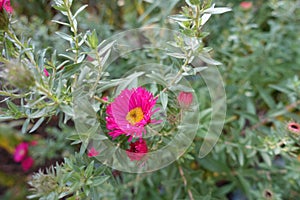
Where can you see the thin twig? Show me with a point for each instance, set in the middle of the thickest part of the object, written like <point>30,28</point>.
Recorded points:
<point>185,182</point>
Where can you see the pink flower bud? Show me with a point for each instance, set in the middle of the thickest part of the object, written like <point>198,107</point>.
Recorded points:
<point>46,72</point>
<point>105,98</point>
<point>246,5</point>
<point>21,152</point>
<point>92,152</point>
<point>27,163</point>
<point>185,99</point>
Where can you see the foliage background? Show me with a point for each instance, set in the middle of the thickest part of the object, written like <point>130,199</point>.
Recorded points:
<point>256,156</point>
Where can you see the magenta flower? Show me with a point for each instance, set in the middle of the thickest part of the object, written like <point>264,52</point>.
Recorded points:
<point>46,72</point>
<point>137,150</point>
<point>92,152</point>
<point>294,127</point>
<point>5,4</point>
<point>21,152</point>
<point>185,99</point>
<point>130,112</point>
<point>27,163</point>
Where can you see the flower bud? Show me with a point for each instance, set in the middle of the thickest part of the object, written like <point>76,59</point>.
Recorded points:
<point>185,99</point>
<point>46,73</point>
<point>246,5</point>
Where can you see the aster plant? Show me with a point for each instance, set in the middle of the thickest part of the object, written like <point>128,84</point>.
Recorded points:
<point>163,116</point>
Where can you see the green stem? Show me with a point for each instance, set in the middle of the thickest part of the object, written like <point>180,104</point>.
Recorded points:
<point>47,93</point>
<point>185,181</point>
<point>100,100</point>
<point>100,68</point>
<point>73,27</point>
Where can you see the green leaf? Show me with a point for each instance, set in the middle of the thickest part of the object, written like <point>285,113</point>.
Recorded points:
<point>164,100</point>
<point>61,23</point>
<point>25,125</point>
<point>89,170</point>
<point>215,11</point>
<point>266,97</point>
<point>244,183</point>
<point>92,39</point>
<point>99,180</point>
<point>37,124</point>
<point>105,48</point>
<point>79,10</point>
<point>241,157</point>
<point>60,8</point>
<point>64,36</point>
<point>180,18</point>
<point>71,69</point>
<point>208,60</point>
<point>177,55</point>
<point>266,157</point>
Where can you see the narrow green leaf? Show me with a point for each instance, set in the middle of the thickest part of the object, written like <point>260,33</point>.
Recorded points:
<point>79,10</point>
<point>61,23</point>
<point>64,36</point>
<point>37,124</point>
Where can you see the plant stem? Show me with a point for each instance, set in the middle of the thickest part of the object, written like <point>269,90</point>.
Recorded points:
<point>74,30</point>
<point>100,100</point>
<point>185,182</point>
<point>100,67</point>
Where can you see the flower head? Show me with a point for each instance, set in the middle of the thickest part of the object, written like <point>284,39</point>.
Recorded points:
<point>246,5</point>
<point>5,4</point>
<point>294,127</point>
<point>137,150</point>
<point>92,152</point>
<point>130,112</point>
<point>27,163</point>
<point>185,99</point>
<point>21,152</point>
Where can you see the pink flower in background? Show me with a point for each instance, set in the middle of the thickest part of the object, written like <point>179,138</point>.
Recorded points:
<point>130,112</point>
<point>21,155</point>
<point>46,72</point>
<point>92,152</point>
<point>21,152</point>
<point>246,5</point>
<point>137,150</point>
<point>5,4</point>
<point>185,99</point>
<point>27,163</point>
<point>294,127</point>
<point>33,143</point>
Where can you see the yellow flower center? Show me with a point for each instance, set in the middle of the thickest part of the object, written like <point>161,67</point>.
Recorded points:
<point>135,115</point>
